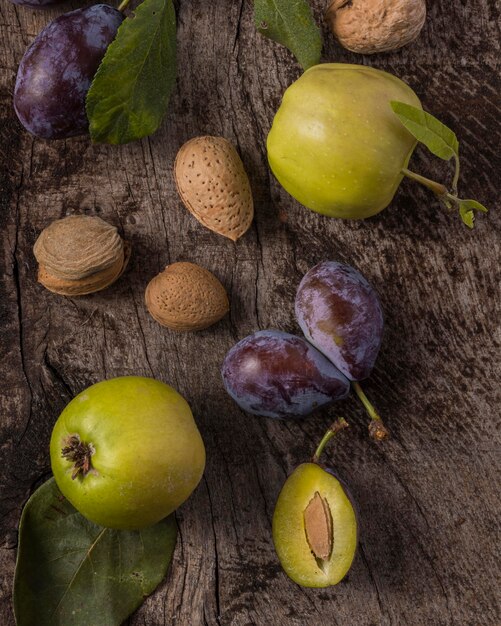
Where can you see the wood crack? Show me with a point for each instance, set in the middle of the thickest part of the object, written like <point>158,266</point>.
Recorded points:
<point>217,591</point>
<point>372,579</point>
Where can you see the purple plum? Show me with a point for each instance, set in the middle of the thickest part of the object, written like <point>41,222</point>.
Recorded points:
<point>340,314</point>
<point>56,71</point>
<point>36,4</point>
<point>275,374</point>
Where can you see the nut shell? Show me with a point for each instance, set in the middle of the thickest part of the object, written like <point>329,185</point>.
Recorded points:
<point>80,254</point>
<point>186,297</point>
<point>214,186</point>
<point>370,26</point>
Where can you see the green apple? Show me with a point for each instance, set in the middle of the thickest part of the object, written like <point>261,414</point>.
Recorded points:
<point>336,145</point>
<point>126,452</point>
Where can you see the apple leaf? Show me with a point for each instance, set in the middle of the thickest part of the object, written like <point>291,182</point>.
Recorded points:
<point>70,572</point>
<point>437,137</point>
<point>130,92</point>
<point>466,210</point>
<point>443,143</point>
<point>290,23</point>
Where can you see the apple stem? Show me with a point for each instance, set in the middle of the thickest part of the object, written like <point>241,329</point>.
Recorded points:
<point>456,175</point>
<point>437,188</point>
<point>123,5</point>
<point>78,453</point>
<point>377,429</point>
<point>338,425</point>
<point>446,199</point>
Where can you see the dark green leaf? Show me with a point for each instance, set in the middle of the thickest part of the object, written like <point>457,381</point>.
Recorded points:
<point>290,23</point>
<point>130,92</point>
<point>466,210</point>
<point>438,138</point>
<point>71,572</point>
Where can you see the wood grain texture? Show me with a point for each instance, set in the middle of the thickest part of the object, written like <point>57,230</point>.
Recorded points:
<point>429,498</point>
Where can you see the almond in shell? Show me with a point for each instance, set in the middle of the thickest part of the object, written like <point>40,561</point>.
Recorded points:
<point>186,297</point>
<point>214,186</point>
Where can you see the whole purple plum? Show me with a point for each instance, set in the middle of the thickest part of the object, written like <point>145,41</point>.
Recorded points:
<point>55,73</point>
<point>275,374</point>
<point>36,4</point>
<point>340,314</point>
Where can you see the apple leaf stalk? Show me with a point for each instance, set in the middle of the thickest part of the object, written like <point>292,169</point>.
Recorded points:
<point>443,143</point>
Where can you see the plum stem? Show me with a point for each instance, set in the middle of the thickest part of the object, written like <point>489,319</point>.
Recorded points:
<point>123,5</point>
<point>377,429</point>
<point>337,426</point>
<point>79,453</point>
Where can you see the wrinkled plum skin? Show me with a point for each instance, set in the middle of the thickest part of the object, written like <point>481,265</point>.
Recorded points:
<point>340,314</point>
<point>275,374</point>
<point>55,73</point>
<point>36,4</point>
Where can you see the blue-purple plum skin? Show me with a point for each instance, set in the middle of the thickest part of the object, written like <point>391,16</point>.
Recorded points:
<point>275,374</point>
<point>36,4</point>
<point>55,73</point>
<point>340,314</point>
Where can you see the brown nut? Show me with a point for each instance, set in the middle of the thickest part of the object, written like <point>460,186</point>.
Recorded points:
<point>186,297</point>
<point>213,185</point>
<point>370,26</point>
<point>80,254</point>
<point>318,527</point>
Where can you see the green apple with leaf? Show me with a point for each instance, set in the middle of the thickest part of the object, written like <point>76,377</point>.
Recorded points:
<point>126,452</point>
<point>343,137</point>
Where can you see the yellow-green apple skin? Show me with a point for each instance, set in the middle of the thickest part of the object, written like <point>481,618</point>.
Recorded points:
<point>148,455</point>
<point>289,534</point>
<point>336,145</point>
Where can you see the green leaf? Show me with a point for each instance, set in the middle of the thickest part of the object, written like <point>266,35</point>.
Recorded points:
<point>438,138</point>
<point>70,572</point>
<point>290,23</point>
<point>131,89</point>
<point>466,210</point>
<point>468,217</point>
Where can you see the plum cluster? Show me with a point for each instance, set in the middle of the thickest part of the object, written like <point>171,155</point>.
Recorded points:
<point>275,374</point>
<point>56,71</point>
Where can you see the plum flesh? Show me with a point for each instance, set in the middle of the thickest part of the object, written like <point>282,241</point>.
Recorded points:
<point>340,314</point>
<point>56,71</point>
<point>275,374</point>
<point>294,546</point>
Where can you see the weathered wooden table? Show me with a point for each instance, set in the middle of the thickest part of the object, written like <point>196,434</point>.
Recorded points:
<point>429,498</point>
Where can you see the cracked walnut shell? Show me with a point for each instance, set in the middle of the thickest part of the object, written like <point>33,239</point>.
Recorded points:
<point>370,26</point>
<point>80,254</point>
